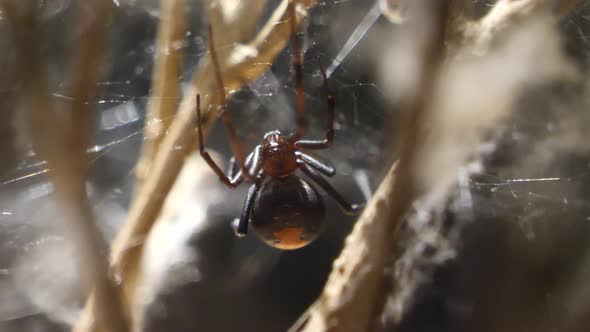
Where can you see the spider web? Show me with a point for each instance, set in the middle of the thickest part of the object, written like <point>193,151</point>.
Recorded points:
<point>347,34</point>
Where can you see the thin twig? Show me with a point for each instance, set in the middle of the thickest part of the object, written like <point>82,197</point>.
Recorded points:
<point>61,139</point>
<point>165,87</point>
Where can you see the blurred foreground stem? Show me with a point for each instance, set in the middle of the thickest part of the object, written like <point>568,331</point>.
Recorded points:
<point>355,289</point>
<point>165,91</point>
<point>61,138</point>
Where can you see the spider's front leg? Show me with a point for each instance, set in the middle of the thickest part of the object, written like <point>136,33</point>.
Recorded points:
<point>231,180</point>
<point>205,155</point>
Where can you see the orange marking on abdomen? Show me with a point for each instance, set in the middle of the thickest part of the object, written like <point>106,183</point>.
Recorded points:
<point>290,237</point>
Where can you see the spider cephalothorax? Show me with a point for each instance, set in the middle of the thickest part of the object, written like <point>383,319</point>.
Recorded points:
<point>279,158</point>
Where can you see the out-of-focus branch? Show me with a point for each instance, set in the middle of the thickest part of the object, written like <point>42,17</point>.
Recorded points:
<point>481,35</point>
<point>225,13</point>
<point>62,138</point>
<point>500,17</point>
<point>240,63</point>
<point>93,16</point>
<point>353,297</point>
<point>85,70</point>
<point>165,82</point>
<point>354,291</point>
<point>565,7</point>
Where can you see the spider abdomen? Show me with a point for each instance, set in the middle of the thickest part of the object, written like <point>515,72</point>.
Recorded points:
<point>288,213</point>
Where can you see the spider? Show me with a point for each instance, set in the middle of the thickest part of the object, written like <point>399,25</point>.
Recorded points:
<point>284,210</point>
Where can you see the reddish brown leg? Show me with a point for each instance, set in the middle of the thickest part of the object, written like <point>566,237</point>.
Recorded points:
<point>225,116</point>
<point>323,144</point>
<point>298,68</point>
<point>226,180</point>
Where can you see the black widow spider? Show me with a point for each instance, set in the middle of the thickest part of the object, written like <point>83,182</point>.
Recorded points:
<point>285,211</point>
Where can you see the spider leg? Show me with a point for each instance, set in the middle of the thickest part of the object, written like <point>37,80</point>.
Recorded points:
<point>326,143</point>
<point>253,162</point>
<point>318,179</point>
<point>226,180</point>
<point>231,167</point>
<point>256,160</point>
<point>322,167</point>
<point>298,69</point>
<point>242,227</point>
<point>225,116</point>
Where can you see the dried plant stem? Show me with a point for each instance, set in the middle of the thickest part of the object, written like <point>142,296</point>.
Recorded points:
<point>165,82</point>
<point>354,291</point>
<point>240,64</point>
<point>62,138</point>
<point>85,71</point>
<point>346,302</point>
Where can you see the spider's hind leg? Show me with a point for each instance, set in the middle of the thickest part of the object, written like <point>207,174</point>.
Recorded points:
<point>347,207</point>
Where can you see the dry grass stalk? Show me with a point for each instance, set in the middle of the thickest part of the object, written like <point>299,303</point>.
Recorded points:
<point>240,63</point>
<point>165,82</point>
<point>62,139</point>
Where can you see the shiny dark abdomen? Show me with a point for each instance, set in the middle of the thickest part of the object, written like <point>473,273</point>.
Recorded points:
<point>287,213</point>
